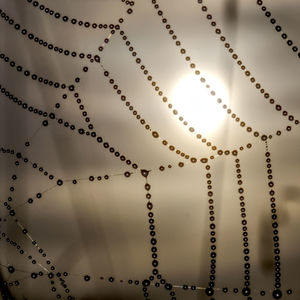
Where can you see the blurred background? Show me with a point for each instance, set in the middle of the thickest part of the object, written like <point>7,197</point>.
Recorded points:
<point>100,228</point>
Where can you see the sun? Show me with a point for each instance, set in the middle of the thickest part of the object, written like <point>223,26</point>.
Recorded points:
<point>195,104</point>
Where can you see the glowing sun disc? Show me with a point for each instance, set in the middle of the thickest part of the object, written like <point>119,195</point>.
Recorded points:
<point>193,101</point>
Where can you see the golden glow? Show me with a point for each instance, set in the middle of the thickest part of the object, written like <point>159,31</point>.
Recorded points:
<point>197,106</point>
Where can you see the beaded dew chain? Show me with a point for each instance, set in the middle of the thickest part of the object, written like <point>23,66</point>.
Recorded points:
<point>104,194</point>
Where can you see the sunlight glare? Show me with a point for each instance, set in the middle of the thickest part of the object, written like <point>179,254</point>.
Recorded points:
<point>197,106</point>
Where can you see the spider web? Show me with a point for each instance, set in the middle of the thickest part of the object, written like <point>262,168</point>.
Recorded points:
<point>75,217</point>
